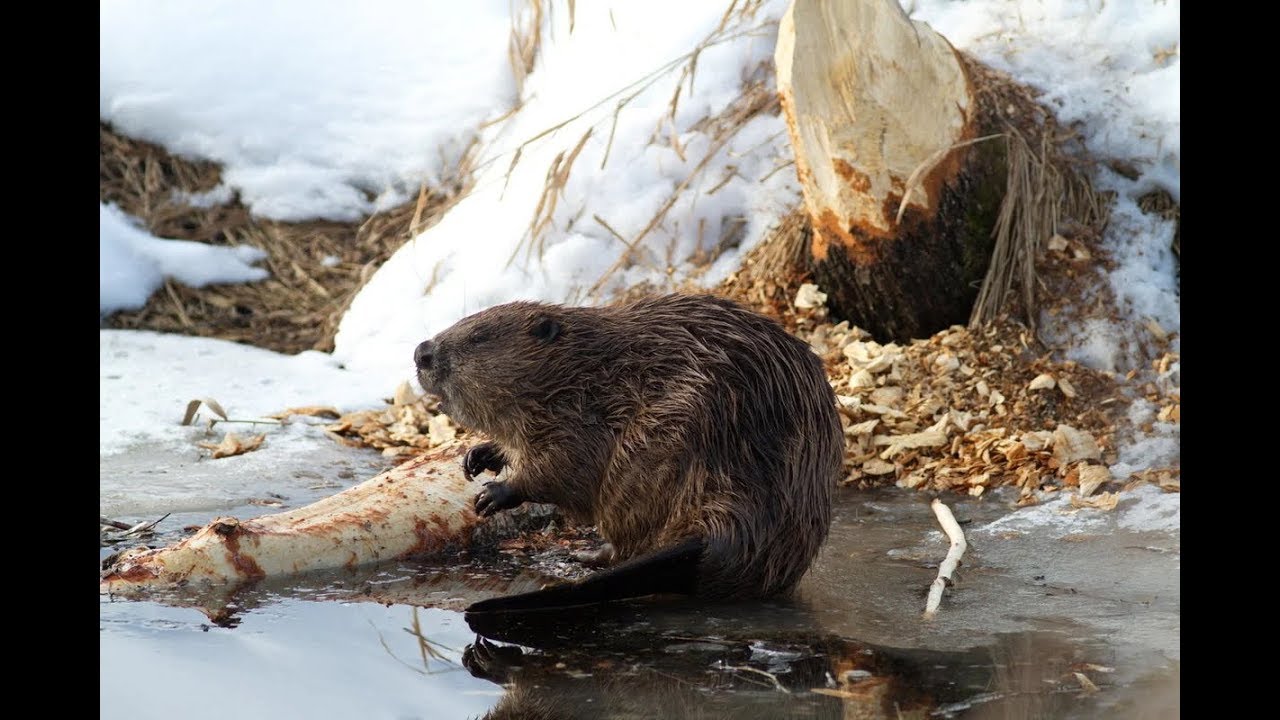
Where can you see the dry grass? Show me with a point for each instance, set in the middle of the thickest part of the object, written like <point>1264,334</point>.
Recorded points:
<point>773,271</point>
<point>1160,202</point>
<point>737,21</point>
<point>526,40</point>
<point>721,129</point>
<point>299,306</point>
<point>1047,192</point>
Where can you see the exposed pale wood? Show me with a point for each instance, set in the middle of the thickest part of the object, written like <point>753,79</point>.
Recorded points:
<point>947,570</point>
<point>417,508</point>
<point>900,186</point>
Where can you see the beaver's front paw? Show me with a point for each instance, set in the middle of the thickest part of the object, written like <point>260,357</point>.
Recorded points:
<point>496,496</point>
<point>485,456</point>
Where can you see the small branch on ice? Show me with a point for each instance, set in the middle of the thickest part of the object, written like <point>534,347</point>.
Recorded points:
<point>104,520</point>
<point>109,537</point>
<point>744,668</point>
<point>948,567</point>
<point>145,527</point>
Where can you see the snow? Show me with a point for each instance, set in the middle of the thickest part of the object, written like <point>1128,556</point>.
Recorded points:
<point>132,263</point>
<point>480,253</point>
<point>1144,509</point>
<point>315,109</point>
<point>1112,68</point>
<point>147,378</point>
<point>391,97</point>
<point>1052,517</point>
<point>1150,508</point>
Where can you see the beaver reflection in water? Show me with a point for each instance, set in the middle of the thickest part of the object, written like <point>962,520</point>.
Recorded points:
<point>700,437</point>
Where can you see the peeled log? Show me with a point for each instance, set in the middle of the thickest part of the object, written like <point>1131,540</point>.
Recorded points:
<point>418,508</point>
<point>881,108</point>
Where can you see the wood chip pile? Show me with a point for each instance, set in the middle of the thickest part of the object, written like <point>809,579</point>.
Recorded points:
<point>962,411</point>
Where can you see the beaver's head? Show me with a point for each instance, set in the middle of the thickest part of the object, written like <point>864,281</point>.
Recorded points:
<point>496,367</point>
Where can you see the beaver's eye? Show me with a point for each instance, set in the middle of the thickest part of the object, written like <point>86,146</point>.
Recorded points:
<point>545,329</point>
<point>480,337</point>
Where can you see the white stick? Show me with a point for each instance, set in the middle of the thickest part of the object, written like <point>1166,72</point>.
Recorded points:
<point>949,563</point>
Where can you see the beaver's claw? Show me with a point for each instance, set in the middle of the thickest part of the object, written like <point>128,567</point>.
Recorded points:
<point>485,456</point>
<point>496,496</point>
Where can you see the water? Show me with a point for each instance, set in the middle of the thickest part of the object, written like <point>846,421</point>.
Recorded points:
<point>1035,604</point>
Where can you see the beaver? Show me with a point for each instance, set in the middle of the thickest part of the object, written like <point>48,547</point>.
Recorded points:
<point>700,437</point>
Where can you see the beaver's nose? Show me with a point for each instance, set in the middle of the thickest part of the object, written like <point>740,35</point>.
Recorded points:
<point>423,354</point>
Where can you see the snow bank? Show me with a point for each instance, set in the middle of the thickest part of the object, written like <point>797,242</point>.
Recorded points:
<point>481,254</point>
<point>315,108</point>
<point>146,380</point>
<point>1114,69</point>
<point>132,263</point>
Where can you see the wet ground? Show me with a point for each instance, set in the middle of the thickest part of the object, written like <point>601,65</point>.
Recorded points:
<point>1054,615</point>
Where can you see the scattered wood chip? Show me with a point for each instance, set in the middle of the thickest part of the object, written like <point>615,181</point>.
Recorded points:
<point>888,396</point>
<point>1156,331</point>
<point>862,428</point>
<point>1106,501</point>
<point>1070,445</point>
<point>1092,477</point>
<point>1043,381</point>
<point>440,430</point>
<point>935,436</point>
<point>1085,683</point>
<point>323,411</point>
<point>194,405</point>
<point>1037,440</point>
<point>232,445</point>
<point>1067,388</point>
<point>404,395</point>
<point>809,297</point>
<point>861,378</point>
<point>878,467</point>
<point>912,480</point>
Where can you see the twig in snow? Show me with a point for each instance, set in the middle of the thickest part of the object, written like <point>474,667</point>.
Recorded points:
<point>948,567</point>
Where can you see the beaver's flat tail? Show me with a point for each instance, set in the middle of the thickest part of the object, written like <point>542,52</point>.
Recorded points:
<point>670,570</point>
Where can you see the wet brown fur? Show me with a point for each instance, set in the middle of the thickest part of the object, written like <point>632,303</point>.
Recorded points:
<point>659,420</point>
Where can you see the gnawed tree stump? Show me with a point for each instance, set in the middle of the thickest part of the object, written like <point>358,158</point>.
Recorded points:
<point>903,150</point>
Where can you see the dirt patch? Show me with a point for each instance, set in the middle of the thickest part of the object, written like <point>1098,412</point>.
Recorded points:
<point>316,267</point>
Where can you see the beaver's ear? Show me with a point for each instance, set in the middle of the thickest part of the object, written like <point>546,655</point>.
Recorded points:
<point>546,329</point>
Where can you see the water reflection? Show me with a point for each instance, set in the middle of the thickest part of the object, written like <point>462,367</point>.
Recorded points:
<point>276,655</point>
<point>758,662</point>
